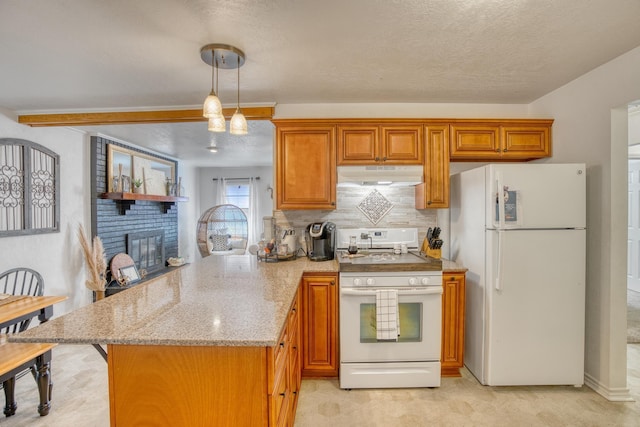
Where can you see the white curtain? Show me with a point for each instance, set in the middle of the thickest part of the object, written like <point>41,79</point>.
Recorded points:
<point>254,212</point>
<point>221,191</point>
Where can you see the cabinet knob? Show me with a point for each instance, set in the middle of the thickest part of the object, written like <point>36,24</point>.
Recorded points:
<point>429,202</point>
<point>377,159</point>
<point>333,283</point>
<point>497,150</point>
<point>333,203</point>
<point>384,159</point>
<point>504,151</point>
<point>283,394</point>
<point>282,344</point>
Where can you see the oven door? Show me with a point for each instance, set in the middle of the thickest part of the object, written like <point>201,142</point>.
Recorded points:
<point>420,314</point>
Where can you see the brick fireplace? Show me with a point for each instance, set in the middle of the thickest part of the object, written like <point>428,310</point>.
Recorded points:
<point>115,220</point>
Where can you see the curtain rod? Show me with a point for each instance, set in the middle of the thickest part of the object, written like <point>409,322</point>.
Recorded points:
<point>235,179</point>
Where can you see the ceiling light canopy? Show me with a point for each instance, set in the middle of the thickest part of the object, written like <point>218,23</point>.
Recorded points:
<point>226,57</point>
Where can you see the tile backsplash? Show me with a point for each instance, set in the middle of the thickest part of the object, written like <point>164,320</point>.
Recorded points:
<point>347,214</point>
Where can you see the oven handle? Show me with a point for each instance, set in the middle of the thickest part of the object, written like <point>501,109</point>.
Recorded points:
<point>433,290</point>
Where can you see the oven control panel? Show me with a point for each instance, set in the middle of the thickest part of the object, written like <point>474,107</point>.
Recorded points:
<point>412,279</point>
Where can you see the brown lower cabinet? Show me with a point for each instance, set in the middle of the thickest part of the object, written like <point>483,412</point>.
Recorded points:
<point>453,307</point>
<point>319,308</point>
<point>201,385</point>
<point>320,325</point>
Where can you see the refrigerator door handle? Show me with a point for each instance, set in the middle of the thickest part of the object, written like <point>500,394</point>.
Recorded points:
<point>500,197</point>
<point>498,274</point>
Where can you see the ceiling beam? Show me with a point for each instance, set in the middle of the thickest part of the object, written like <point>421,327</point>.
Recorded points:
<point>136,117</point>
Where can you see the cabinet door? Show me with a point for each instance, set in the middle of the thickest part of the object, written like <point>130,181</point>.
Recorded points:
<point>475,141</point>
<point>358,145</point>
<point>526,141</point>
<point>402,144</point>
<point>306,167</point>
<point>320,326</point>
<point>453,307</point>
<point>434,192</point>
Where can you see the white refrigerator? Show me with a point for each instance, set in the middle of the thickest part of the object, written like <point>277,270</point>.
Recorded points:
<point>520,230</point>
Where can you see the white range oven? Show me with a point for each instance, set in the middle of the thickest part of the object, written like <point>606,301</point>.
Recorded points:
<point>411,358</point>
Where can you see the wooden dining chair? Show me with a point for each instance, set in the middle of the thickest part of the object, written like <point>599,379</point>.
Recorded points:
<point>21,281</point>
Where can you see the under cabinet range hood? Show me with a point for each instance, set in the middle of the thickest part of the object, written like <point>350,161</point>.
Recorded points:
<point>379,175</point>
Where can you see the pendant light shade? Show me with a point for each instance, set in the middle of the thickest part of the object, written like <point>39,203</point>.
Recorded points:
<point>212,106</point>
<point>217,124</point>
<point>225,57</point>
<point>238,124</point>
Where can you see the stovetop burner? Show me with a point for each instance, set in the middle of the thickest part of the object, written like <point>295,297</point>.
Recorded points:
<point>386,262</point>
<point>375,254</point>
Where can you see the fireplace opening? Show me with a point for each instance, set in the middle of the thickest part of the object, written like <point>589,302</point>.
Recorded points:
<point>147,250</point>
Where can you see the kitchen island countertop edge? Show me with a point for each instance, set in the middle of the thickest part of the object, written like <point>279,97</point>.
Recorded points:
<point>232,300</point>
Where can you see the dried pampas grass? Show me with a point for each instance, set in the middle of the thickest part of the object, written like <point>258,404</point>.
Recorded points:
<point>96,262</point>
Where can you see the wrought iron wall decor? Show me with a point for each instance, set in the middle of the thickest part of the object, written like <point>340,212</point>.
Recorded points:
<point>29,188</point>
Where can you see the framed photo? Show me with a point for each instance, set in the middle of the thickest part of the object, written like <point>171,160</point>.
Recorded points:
<point>129,274</point>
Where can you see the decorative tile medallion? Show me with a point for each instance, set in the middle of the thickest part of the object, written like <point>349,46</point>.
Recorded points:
<point>375,206</point>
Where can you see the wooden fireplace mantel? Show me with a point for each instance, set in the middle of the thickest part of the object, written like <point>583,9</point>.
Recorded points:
<point>139,196</point>
<point>125,200</point>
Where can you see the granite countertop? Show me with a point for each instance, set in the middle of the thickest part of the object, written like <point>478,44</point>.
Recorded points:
<point>449,266</point>
<point>229,300</point>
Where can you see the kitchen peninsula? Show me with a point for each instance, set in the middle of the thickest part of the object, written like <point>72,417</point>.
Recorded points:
<point>217,339</point>
<point>204,342</point>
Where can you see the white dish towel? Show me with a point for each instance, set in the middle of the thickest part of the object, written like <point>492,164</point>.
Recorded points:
<point>387,320</point>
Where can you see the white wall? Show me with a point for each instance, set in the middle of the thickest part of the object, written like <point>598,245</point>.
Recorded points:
<point>56,256</point>
<point>188,213</point>
<point>286,111</point>
<point>591,126</point>
<point>634,126</point>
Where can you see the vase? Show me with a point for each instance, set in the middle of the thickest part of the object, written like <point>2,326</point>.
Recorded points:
<point>137,189</point>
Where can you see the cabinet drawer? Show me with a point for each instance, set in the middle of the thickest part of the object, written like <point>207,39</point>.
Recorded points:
<point>294,315</point>
<point>280,350</point>
<point>279,400</point>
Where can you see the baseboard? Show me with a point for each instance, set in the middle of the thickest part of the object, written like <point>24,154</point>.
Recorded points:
<point>612,394</point>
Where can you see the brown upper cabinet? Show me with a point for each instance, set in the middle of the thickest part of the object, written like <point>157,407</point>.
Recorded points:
<point>305,166</point>
<point>434,191</point>
<point>308,152</point>
<point>500,140</point>
<point>387,143</point>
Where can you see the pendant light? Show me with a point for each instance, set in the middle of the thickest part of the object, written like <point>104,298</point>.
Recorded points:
<point>238,123</point>
<point>216,119</point>
<point>212,108</point>
<point>225,57</point>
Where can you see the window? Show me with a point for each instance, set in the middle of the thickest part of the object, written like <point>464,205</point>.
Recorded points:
<point>238,193</point>
<point>29,188</point>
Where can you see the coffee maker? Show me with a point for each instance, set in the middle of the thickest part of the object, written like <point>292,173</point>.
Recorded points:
<point>321,240</point>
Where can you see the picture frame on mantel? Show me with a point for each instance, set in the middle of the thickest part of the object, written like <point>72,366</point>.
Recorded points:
<point>129,274</point>
<point>124,161</point>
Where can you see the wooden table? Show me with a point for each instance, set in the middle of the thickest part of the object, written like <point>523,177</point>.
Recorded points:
<point>28,307</point>
<point>19,356</point>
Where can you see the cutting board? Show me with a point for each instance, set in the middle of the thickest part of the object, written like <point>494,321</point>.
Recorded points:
<point>119,261</point>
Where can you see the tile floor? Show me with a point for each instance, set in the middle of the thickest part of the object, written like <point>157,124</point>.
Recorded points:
<point>80,398</point>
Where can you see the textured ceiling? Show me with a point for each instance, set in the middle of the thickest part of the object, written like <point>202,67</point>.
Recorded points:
<point>79,55</point>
